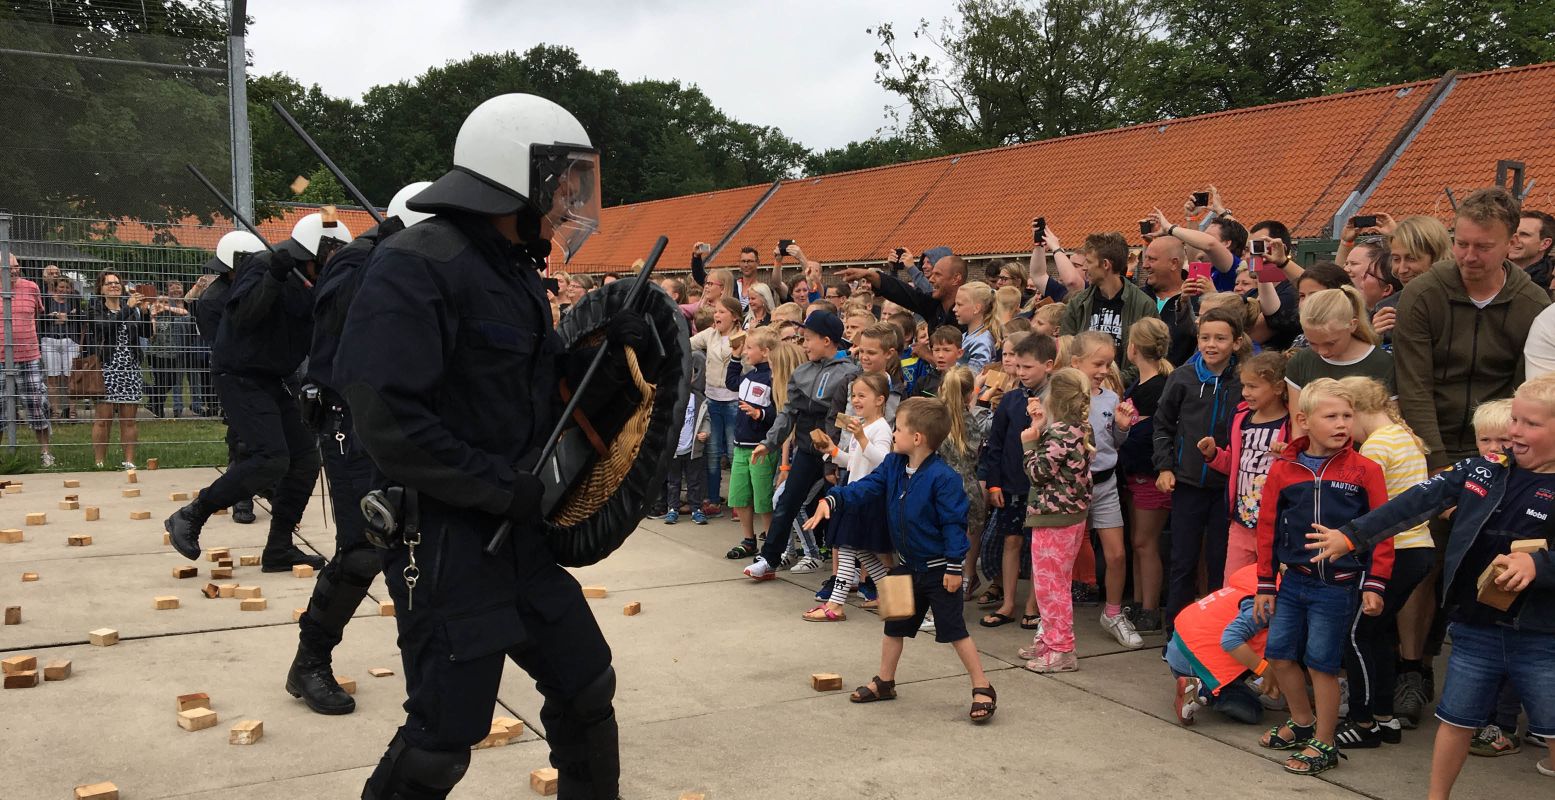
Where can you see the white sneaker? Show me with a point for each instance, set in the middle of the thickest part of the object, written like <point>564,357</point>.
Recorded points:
<point>1122,630</point>
<point>787,561</point>
<point>760,570</point>
<point>1188,700</point>
<point>127,465</point>
<point>928,622</point>
<point>46,460</point>
<point>805,566</point>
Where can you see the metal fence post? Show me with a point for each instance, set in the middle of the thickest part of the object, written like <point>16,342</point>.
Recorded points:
<point>10,343</point>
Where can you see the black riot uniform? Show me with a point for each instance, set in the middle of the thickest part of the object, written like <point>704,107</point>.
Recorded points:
<point>344,581</point>
<point>264,335</point>
<point>449,366</point>
<point>207,310</point>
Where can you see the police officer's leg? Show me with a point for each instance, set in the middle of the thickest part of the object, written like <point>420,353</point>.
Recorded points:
<point>341,585</point>
<point>569,660</point>
<point>294,489</point>
<point>242,510</point>
<point>254,417</point>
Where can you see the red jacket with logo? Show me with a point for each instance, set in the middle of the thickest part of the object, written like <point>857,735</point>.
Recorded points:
<point>1344,487</point>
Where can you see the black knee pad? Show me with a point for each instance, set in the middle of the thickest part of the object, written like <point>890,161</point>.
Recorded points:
<point>360,565</point>
<point>267,472</point>
<point>306,462</point>
<point>416,774</point>
<point>596,699</point>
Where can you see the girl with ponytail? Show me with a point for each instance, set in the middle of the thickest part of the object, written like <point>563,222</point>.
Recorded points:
<point>1340,342</point>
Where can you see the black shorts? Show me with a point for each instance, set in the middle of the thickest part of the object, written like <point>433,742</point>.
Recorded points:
<point>928,593</point>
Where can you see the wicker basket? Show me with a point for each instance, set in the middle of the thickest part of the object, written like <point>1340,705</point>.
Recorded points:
<point>589,494</point>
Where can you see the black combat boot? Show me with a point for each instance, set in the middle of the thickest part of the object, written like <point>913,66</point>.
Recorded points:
<point>243,512</point>
<point>312,678</point>
<point>184,528</point>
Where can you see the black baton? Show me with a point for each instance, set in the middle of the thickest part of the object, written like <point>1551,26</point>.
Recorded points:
<point>238,215</point>
<point>633,299</point>
<point>345,183</point>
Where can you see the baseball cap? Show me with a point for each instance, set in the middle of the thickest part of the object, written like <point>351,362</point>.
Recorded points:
<point>826,324</point>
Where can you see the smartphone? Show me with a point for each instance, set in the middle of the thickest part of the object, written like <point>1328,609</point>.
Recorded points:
<point>1146,226</point>
<point>1199,269</point>
<point>1039,231</point>
<point>1363,221</point>
<point>1200,199</point>
<point>901,251</point>
<point>1269,273</point>
<point>552,285</point>
<point>783,246</point>
<point>1259,247</point>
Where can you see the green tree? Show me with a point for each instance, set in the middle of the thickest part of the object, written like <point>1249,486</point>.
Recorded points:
<point>1395,41</point>
<point>876,151</point>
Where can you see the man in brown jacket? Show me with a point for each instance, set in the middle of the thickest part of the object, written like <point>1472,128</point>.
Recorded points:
<point>1461,329</point>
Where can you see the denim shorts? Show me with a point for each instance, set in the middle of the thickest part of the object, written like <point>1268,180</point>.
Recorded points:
<point>1485,655</point>
<point>1311,622</point>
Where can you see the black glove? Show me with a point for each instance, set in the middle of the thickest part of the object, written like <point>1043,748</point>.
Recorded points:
<point>628,329</point>
<point>281,264</point>
<point>527,493</point>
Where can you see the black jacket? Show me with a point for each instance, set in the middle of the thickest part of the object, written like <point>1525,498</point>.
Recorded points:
<point>267,325</point>
<point>448,361</point>
<point>332,299</point>
<point>924,305</point>
<point>102,330</point>
<point>209,307</point>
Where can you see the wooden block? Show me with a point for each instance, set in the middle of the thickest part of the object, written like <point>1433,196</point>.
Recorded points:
<point>514,727</point>
<point>254,604</point>
<point>131,477</point>
<point>151,463</point>
<point>211,590</point>
<point>93,513</point>
<point>103,637</point>
<point>693,796</point>
<point>140,515</point>
<point>246,592</point>
<point>543,780</point>
<point>217,554</point>
<point>79,540</point>
<point>386,608</point>
<point>29,577</point>
<point>56,671</point>
<point>302,571</point>
<point>297,614</point>
<point>380,672</point>
<point>167,538</point>
<point>13,615</point>
<point>186,572</point>
<point>197,719</point>
<point>229,589</point>
<point>97,791</point>
<point>826,682</point>
<point>632,609</point>
<point>129,493</point>
<point>72,484</point>
<point>18,664</point>
<point>595,592</point>
<point>195,700</point>
<point>14,488</point>
<point>11,536</point>
<point>37,518</point>
<point>498,736</point>
<point>248,561</point>
<point>220,512</point>
<point>249,731</point>
<point>225,562</point>
<point>75,497</point>
<point>68,505</point>
<point>346,683</point>
<point>221,573</point>
<point>164,603</point>
<point>22,680</point>
<point>178,497</point>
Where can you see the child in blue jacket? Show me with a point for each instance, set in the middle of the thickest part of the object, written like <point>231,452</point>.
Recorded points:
<point>926,510</point>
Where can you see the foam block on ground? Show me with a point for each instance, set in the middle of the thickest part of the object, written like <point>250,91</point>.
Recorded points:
<point>56,670</point>
<point>79,540</point>
<point>97,791</point>
<point>386,608</point>
<point>11,536</point>
<point>826,682</point>
<point>164,603</point>
<point>632,609</point>
<point>18,664</point>
<point>93,513</point>
<point>129,492</point>
<point>186,572</point>
<point>103,637</point>
<point>380,672</point>
<point>246,592</point>
<point>254,604</point>
<point>140,515</point>
<point>193,700</point>
<point>595,592</point>
<point>29,577</point>
<point>25,679</point>
<point>37,518</point>
<point>13,615</point>
<point>197,719</point>
<point>248,731</point>
<point>543,780</point>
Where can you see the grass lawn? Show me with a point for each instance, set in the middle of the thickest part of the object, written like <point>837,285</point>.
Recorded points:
<point>173,442</point>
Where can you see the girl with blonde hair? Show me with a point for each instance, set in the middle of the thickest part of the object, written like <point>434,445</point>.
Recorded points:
<point>1340,343</point>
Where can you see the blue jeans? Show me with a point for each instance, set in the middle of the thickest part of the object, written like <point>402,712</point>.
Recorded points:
<point>1313,618</point>
<point>720,442</point>
<point>1483,656</point>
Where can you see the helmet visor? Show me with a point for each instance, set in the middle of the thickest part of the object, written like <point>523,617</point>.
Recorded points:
<point>574,212</point>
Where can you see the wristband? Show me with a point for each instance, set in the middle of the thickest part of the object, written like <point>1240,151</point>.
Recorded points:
<point>1263,664</point>
<point>835,451</point>
<point>1171,230</point>
<point>784,469</point>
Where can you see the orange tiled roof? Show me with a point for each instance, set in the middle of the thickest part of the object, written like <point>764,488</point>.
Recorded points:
<point>628,232</point>
<point>190,232</point>
<point>1486,117</point>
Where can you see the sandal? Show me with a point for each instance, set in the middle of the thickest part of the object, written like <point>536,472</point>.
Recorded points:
<point>1326,758</point>
<point>997,620</point>
<point>969,589</point>
<point>987,708</point>
<point>1030,622</point>
<point>870,605</point>
<point>745,549</point>
<point>883,690</point>
<point>1273,740</point>
<point>825,615</point>
<point>993,597</point>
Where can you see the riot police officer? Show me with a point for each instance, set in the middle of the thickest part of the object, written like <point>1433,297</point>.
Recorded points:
<point>206,301</point>
<point>343,582</point>
<point>265,333</point>
<point>449,364</point>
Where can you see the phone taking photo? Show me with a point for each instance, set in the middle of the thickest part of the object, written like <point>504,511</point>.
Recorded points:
<point>783,246</point>
<point>1259,247</point>
<point>1039,231</point>
<point>1146,226</point>
<point>1199,269</point>
<point>1363,221</point>
<point>1200,199</point>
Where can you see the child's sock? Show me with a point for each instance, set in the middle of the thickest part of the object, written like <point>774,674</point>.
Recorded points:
<point>1114,609</point>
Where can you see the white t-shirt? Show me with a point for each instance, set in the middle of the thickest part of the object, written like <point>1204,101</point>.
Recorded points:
<point>860,458</point>
<point>1539,350</point>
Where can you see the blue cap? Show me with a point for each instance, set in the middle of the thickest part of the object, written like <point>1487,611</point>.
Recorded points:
<point>826,324</point>
<point>934,254</point>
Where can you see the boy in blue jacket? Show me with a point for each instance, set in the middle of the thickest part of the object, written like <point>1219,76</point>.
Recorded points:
<point>750,479</point>
<point>926,509</point>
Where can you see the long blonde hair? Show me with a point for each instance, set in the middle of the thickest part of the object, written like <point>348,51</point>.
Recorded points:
<point>1069,401</point>
<point>955,392</point>
<point>1087,341</point>
<point>1006,302</point>
<point>1337,308</point>
<point>1152,340</point>
<point>1369,396</point>
<point>982,295</point>
<point>785,357</point>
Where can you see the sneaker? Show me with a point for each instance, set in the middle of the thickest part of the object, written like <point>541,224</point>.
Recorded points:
<point>1122,630</point>
<point>1351,736</point>
<point>46,460</point>
<point>127,465</point>
<point>657,512</point>
<point>698,517</point>
<point>712,510</point>
<point>1490,742</point>
<point>1035,650</point>
<point>1147,621</point>
<point>1536,740</point>
<point>788,559</point>
<point>1053,661</point>
<point>927,625</point>
<point>671,517</point>
<point>824,593</point>
<point>1547,767</point>
<point>1188,700</point>
<point>1409,699</point>
<point>868,590</point>
<point>760,571</point>
<point>805,566</point>
<point>734,514</point>
<point>1084,594</point>
<point>1392,732</point>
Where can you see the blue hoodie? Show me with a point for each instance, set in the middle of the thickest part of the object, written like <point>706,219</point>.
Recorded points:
<point>755,389</point>
<point>925,511</point>
<point>1195,403</point>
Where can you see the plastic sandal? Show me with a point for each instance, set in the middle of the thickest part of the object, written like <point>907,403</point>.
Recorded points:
<point>1326,759</point>
<point>1030,622</point>
<point>989,707</point>
<point>994,596</point>
<point>864,694</point>
<point>825,615</point>
<point>997,620</point>
<point>1300,734</point>
<point>745,549</point>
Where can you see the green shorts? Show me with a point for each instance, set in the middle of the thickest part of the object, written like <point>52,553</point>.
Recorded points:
<point>750,482</point>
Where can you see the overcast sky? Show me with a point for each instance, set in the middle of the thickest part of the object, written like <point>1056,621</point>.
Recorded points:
<point>804,66</point>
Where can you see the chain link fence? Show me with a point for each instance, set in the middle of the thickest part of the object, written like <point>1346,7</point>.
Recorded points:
<point>120,292</point>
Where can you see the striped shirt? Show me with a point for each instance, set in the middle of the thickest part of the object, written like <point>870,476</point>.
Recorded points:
<point>1403,466</point>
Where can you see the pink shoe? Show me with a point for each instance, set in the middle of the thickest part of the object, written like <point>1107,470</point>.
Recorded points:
<point>1037,649</point>
<point>1053,661</point>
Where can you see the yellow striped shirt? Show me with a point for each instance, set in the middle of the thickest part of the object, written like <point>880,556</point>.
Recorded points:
<point>1403,466</point>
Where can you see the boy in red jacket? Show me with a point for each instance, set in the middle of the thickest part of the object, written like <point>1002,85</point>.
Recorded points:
<point>1320,479</point>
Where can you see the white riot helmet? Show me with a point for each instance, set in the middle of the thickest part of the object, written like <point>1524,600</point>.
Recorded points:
<point>231,247</point>
<point>397,206</point>
<point>306,234</point>
<point>519,151</point>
